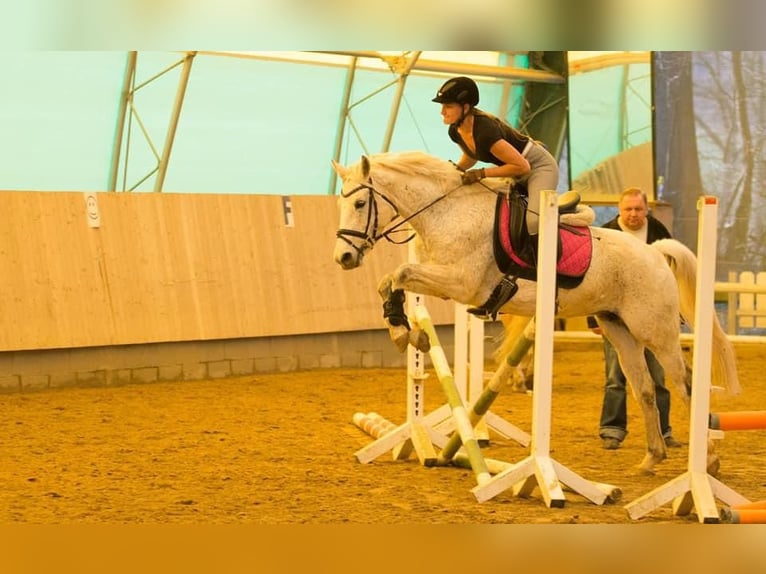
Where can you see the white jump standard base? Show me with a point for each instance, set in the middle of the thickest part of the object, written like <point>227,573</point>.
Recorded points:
<point>539,468</point>
<point>696,489</point>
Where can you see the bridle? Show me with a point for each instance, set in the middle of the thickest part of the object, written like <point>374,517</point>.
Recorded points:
<point>370,235</point>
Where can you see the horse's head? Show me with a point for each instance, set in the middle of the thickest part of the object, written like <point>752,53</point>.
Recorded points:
<point>362,216</point>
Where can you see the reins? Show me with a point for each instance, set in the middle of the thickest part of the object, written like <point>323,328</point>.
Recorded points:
<point>371,237</point>
<point>386,232</point>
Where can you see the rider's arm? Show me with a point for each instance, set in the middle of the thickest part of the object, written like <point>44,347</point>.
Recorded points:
<point>465,162</point>
<point>515,165</point>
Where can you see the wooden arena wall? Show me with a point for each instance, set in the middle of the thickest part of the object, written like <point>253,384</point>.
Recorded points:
<point>165,269</point>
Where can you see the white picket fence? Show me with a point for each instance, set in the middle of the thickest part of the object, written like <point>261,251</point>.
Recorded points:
<point>746,300</point>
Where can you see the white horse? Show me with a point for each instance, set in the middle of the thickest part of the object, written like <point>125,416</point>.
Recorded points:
<point>637,292</point>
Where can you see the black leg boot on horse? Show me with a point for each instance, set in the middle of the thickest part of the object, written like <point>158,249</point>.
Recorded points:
<point>396,319</point>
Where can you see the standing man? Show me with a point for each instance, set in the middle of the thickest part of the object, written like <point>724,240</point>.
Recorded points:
<point>633,218</point>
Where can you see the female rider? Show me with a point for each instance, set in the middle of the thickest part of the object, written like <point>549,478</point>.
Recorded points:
<point>484,137</point>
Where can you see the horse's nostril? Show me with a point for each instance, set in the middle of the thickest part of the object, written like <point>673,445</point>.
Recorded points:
<point>346,259</point>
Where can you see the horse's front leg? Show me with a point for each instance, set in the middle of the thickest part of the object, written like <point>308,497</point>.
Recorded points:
<point>461,282</point>
<point>396,320</point>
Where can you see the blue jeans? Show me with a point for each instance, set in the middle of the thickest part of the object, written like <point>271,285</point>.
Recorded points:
<point>614,412</point>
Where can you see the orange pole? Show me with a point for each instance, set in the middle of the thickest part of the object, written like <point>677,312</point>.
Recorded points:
<point>738,420</point>
<point>761,504</point>
<point>754,516</point>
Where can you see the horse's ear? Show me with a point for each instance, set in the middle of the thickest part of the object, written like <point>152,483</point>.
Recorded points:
<point>339,169</point>
<point>365,166</point>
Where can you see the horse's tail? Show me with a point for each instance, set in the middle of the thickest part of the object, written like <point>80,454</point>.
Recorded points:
<point>683,263</point>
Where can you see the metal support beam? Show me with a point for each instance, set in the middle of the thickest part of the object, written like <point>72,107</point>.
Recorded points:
<point>602,61</point>
<point>183,82</point>
<point>398,100</point>
<point>125,95</point>
<point>127,112</point>
<point>504,72</point>
<point>351,72</point>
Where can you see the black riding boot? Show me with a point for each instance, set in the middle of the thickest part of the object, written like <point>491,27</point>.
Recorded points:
<point>531,250</point>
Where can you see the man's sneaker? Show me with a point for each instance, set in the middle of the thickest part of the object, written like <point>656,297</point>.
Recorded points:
<point>610,443</point>
<point>670,442</point>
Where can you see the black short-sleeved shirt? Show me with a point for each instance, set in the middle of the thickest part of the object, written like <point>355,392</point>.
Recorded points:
<point>488,129</point>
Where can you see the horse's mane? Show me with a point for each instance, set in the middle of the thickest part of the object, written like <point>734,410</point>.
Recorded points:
<point>415,163</point>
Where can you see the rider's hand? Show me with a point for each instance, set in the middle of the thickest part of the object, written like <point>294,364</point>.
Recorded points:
<point>472,176</point>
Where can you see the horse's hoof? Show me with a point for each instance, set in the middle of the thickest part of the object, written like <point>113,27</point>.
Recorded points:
<point>646,468</point>
<point>419,339</point>
<point>401,342</point>
<point>644,471</point>
<point>713,465</point>
<point>400,336</point>
<point>518,387</point>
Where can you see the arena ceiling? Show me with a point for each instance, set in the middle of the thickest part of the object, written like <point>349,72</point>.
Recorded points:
<point>502,67</point>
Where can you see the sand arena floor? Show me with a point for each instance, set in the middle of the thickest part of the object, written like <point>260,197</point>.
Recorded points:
<point>279,449</point>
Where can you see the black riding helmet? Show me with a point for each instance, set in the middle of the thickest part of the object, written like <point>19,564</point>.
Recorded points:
<point>460,90</point>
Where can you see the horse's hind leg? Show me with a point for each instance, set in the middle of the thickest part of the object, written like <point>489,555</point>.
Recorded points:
<point>676,368</point>
<point>396,319</point>
<point>669,353</point>
<point>522,376</point>
<point>633,363</point>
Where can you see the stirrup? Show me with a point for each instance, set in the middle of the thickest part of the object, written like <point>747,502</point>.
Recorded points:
<point>568,202</point>
<point>480,313</point>
<point>501,294</point>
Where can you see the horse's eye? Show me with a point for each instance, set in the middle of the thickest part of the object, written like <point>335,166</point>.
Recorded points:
<point>359,203</point>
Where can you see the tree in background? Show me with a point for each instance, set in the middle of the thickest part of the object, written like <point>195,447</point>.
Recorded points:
<point>743,239</point>
<point>723,94</point>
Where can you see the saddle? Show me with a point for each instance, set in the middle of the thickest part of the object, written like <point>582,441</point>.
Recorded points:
<point>516,251</point>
